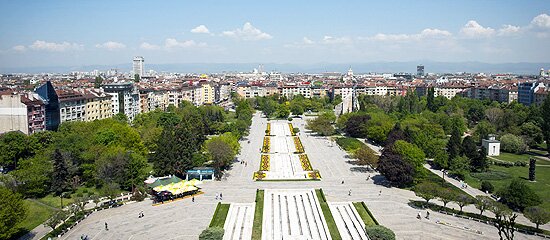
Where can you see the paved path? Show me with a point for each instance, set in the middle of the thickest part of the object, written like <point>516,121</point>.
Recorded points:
<point>185,219</point>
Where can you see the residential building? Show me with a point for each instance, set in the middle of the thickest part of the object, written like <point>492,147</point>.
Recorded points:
<point>25,113</point>
<point>420,70</point>
<point>526,92</point>
<point>137,66</point>
<point>72,106</point>
<point>49,97</point>
<point>124,98</point>
<point>98,105</point>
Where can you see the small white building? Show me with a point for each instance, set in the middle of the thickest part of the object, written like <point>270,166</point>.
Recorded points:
<point>491,145</point>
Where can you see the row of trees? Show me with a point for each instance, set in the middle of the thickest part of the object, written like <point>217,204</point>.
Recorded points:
<point>277,106</point>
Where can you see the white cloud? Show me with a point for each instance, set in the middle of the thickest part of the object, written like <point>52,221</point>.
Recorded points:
<point>335,40</point>
<point>19,48</point>
<point>200,29</point>
<point>170,43</point>
<point>111,46</point>
<point>541,21</point>
<point>55,47</point>
<point>472,29</point>
<point>307,41</point>
<point>148,46</point>
<point>427,33</point>
<point>247,33</point>
<point>508,30</point>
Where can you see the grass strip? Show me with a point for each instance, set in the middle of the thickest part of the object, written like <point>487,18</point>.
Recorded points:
<point>332,228</point>
<point>258,216</point>
<point>218,220</point>
<point>365,214</point>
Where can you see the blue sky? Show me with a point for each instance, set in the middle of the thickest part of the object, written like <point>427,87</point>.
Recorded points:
<point>72,33</point>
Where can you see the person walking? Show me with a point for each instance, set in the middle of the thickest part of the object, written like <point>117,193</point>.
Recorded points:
<point>427,214</point>
<point>193,198</point>
<point>220,196</point>
<point>106,227</point>
<point>349,193</point>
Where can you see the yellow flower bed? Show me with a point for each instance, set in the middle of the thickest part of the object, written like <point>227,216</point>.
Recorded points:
<point>314,174</point>
<point>304,160</point>
<point>268,130</point>
<point>259,175</point>
<point>264,164</point>
<point>298,145</point>
<point>291,129</point>
<point>265,147</point>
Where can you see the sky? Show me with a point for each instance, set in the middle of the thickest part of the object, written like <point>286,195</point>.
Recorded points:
<point>101,32</point>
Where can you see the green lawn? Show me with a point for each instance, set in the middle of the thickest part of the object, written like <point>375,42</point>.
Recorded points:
<point>365,214</point>
<point>218,220</point>
<point>36,215</point>
<point>510,157</point>
<point>258,216</point>
<point>541,186</point>
<point>55,201</point>
<point>349,144</point>
<point>333,229</point>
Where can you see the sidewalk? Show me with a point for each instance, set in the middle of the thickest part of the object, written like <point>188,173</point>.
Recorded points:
<point>475,192</point>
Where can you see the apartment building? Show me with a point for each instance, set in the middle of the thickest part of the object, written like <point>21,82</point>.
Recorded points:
<point>72,106</point>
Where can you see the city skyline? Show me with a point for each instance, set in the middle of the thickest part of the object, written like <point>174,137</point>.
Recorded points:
<point>40,34</point>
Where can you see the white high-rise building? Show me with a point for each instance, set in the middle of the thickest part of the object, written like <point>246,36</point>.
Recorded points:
<point>138,65</point>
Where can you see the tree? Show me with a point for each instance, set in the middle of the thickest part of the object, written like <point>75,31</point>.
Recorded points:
<point>469,148</point>
<point>221,154</point>
<point>296,108</point>
<point>322,124</point>
<point>282,111</point>
<point>487,187</point>
<point>356,125</point>
<point>455,144</point>
<point>378,232</point>
<point>483,129</point>
<point>96,199</point>
<point>459,167</point>
<point>212,233</point>
<point>60,173</point>
<point>13,146</point>
<point>395,134</point>
<point>427,191</point>
<point>505,220</point>
<point>397,171</point>
<point>98,82</point>
<point>268,107</point>
<point>463,200</point>
<point>366,156</point>
<point>494,115</point>
<point>446,195</point>
<point>56,218</point>
<point>12,212</point>
<point>545,113</point>
<point>34,175</point>
<point>512,143</point>
<point>479,162</point>
<point>537,215</point>
<point>532,134</point>
<point>110,190</point>
<point>120,117</point>
<point>430,100</point>
<point>412,154</point>
<point>137,78</point>
<point>518,195</point>
<point>483,203</point>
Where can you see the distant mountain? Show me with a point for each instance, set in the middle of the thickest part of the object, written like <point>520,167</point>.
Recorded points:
<point>379,67</point>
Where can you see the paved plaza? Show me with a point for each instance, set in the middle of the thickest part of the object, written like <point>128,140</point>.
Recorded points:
<point>185,219</point>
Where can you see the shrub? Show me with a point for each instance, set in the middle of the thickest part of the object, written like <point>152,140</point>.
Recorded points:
<point>349,144</point>
<point>296,130</point>
<point>290,119</point>
<point>518,195</point>
<point>512,143</point>
<point>486,186</point>
<point>212,233</point>
<point>520,164</point>
<point>79,195</point>
<point>377,232</point>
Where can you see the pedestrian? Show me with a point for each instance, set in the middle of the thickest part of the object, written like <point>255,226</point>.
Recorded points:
<point>216,196</point>
<point>220,196</point>
<point>245,164</point>
<point>349,193</point>
<point>342,181</point>
<point>418,216</point>
<point>380,193</point>
<point>106,227</point>
<point>193,198</point>
<point>427,214</point>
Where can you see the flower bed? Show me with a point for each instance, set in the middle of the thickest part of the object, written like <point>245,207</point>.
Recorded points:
<point>264,164</point>
<point>291,129</point>
<point>298,145</point>
<point>265,147</point>
<point>259,175</point>
<point>314,174</point>
<point>304,160</point>
<point>268,130</point>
